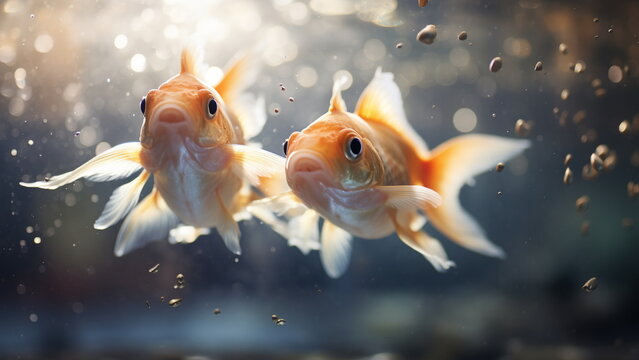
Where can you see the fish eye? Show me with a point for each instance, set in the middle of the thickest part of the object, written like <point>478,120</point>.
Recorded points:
<point>212,107</point>
<point>285,146</point>
<point>353,148</point>
<point>143,105</point>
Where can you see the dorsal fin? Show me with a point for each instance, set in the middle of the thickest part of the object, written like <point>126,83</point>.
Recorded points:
<point>188,63</point>
<point>239,73</point>
<point>381,102</point>
<point>337,103</point>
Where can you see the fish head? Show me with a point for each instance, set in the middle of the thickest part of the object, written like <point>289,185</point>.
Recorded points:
<point>184,108</point>
<point>334,151</point>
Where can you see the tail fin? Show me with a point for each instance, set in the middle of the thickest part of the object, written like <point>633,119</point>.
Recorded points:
<point>449,167</point>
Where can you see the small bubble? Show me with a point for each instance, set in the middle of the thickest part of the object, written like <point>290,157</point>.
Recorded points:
<point>37,240</point>
<point>522,127</point>
<point>567,159</point>
<point>563,48</point>
<point>582,203</point>
<point>539,66</point>
<point>495,64</point>
<point>77,133</point>
<point>33,317</point>
<point>500,167</point>
<point>596,162</point>
<point>175,302</point>
<point>462,36</point>
<point>399,45</point>
<point>291,99</point>
<point>30,142</point>
<point>147,303</point>
<point>565,94</point>
<point>217,311</point>
<point>276,110</point>
<point>32,16</point>
<point>14,152</point>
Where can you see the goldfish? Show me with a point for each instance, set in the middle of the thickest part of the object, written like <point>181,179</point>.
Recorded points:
<point>194,145</point>
<point>369,174</point>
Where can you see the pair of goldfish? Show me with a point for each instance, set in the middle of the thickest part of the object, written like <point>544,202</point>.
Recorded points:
<point>367,173</point>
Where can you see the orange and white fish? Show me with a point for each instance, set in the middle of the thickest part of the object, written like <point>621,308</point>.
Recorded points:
<point>369,174</point>
<point>193,142</point>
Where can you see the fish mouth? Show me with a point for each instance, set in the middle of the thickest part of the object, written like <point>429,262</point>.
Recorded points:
<point>171,119</point>
<point>306,168</point>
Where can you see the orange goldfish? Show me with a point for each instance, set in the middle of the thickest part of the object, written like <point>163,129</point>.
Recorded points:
<point>369,174</point>
<point>193,143</point>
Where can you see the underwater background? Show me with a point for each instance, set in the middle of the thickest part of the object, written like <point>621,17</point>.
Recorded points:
<point>73,74</point>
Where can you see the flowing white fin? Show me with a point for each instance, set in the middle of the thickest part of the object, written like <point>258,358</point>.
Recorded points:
<point>303,231</point>
<point>335,249</point>
<point>121,202</point>
<point>118,162</point>
<point>337,103</point>
<point>285,203</point>
<point>381,102</point>
<point>150,221</point>
<point>421,242</point>
<point>228,229</point>
<point>410,197</point>
<point>251,163</point>
<point>185,234</point>
<point>250,111</point>
<point>449,167</point>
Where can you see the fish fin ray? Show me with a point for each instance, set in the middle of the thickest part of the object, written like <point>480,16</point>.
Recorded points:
<point>421,242</point>
<point>150,221</point>
<point>410,197</point>
<point>250,112</point>
<point>186,234</point>
<point>121,202</point>
<point>337,103</point>
<point>251,163</point>
<point>228,229</point>
<point>335,250</point>
<point>381,102</point>
<point>239,73</point>
<point>118,162</point>
<point>449,167</point>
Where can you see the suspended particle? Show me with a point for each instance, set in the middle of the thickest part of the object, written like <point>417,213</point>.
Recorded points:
<point>600,92</point>
<point>522,127</point>
<point>291,99</point>
<point>610,31</point>
<point>499,193</point>
<point>427,35</point>
<point>610,161</point>
<point>495,64</point>
<point>596,162</point>
<point>565,94</point>
<point>154,269</point>
<point>568,176</point>
<point>462,36</point>
<point>563,49</point>
<point>567,159</point>
<point>217,311</point>
<point>579,67</point>
<point>161,298</point>
<point>589,173</point>
<point>280,322</point>
<point>175,302</point>
<point>500,167</point>
<point>624,127</point>
<point>180,279</point>
<point>276,110</point>
<point>596,82</point>
<point>582,203</point>
<point>399,45</point>
<point>595,20</point>
<point>422,3</point>
<point>77,133</point>
<point>602,151</point>
<point>148,304</point>
<point>591,284</point>
<point>585,228</point>
<point>539,66</point>
<point>633,189</point>
<point>274,317</point>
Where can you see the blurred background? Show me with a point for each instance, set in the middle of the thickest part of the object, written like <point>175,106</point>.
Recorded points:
<point>73,73</point>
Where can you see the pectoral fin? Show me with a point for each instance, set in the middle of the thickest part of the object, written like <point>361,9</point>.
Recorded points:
<point>150,221</point>
<point>335,249</point>
<point>185,234</point>
<point>303,231</point>
<point>228,229</point>
<point>121,202</point>
<point>410,197</point>
<point>421,242</point>
<point>116,163</point>
<point>252,163</point>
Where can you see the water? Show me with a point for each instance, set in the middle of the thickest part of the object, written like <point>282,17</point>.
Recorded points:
<point>73,76</point>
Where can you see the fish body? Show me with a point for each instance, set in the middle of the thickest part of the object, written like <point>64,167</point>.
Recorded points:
<point>369,174</point>
<point>193,143</point>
